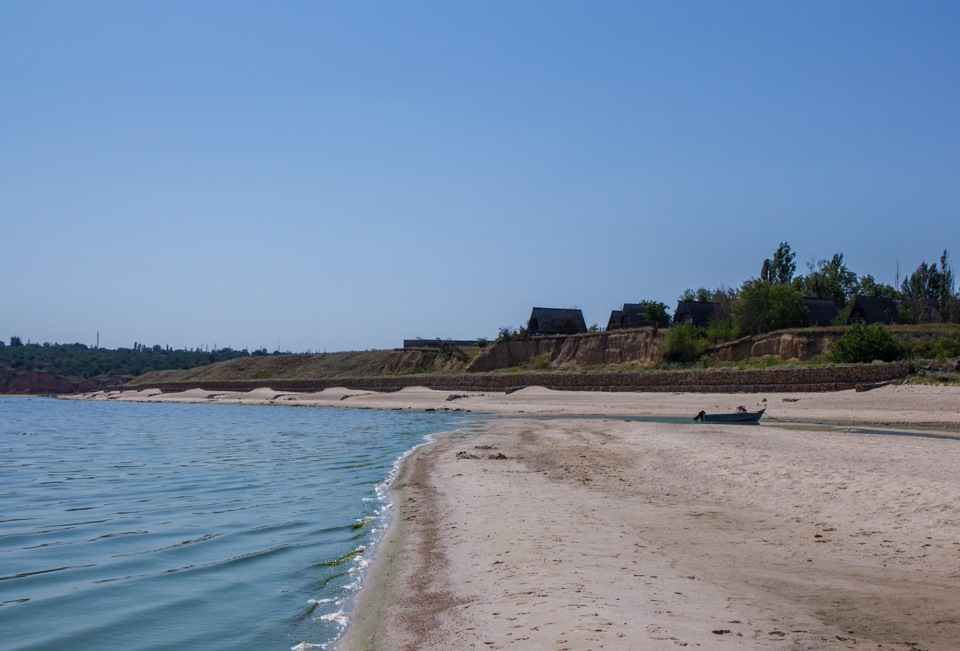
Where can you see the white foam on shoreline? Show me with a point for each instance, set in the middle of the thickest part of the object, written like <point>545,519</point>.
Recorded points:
<point>382,518</point>
<point>339,617</point>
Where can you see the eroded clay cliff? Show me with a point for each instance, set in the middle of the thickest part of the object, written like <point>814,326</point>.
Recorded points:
<point>786,346</point>
<point>580,351</point>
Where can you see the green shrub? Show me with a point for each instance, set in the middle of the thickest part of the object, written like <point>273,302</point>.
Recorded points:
<point>865,343</point>
<point>945,377</point>
<point>506,334</point>
<point>720,331</point>
<point>942,348</point>
<point>539,363</point>
<point>767,361</point>
<point>682,343</point>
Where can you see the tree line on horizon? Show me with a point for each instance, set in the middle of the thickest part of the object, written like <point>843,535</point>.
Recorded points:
<point>81,361</point>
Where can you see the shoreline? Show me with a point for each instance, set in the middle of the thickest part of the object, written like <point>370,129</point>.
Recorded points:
<point>913,406</point>
<point>578,534</point>
<point>548,549</point>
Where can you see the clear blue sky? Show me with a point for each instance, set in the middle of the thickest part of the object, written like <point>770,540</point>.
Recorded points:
<point>344,175</point>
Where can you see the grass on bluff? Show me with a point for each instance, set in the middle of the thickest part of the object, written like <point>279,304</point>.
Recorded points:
<point>322,365</point>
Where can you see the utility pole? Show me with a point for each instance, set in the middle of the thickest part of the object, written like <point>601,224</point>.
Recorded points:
<point>98,339</point>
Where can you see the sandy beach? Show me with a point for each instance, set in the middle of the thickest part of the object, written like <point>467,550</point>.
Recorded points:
<point>542,529</point>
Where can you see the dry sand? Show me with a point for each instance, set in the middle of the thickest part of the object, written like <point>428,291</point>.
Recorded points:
<point>889,406</point>
<point>604,533</point>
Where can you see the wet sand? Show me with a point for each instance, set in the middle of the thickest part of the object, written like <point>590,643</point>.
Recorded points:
<point>606,533</point>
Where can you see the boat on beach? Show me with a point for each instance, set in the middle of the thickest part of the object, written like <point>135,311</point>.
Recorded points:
<point>739,416</point>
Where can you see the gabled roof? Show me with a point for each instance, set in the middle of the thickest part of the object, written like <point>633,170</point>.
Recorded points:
<point>874,310</point>
<point>556,321</point>
<point>633,315</point>
<point>696,312</point>
<point>820,311</point>
<point>616,318</point>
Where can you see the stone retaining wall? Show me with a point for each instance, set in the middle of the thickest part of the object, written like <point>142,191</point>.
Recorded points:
<point>776,380</point>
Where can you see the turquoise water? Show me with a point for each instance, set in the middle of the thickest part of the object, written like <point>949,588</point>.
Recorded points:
<point>189,526</point>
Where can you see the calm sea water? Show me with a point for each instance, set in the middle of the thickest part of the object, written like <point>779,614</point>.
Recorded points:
<point>189,526</point>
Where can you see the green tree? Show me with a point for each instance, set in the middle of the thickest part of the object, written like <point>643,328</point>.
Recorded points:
<point>79,361</point>
<point>781,268</point>
<point>830,279</point>
<point>868,286</point>
<point>506,334</point>
<point>701,295</point>
<point>945,295</point>
<point>865,343</point>
<point>763,306</point>
<point>654,311</point>
<point>919,293</point>
<point>723,296</point>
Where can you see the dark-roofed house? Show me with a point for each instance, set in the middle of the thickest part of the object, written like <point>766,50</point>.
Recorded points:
<point>617,317</point>
<point>555,321</point>
<point>820,311</point>
<point>696,313</point>
<point>867,309</point>
<point>633,315</point>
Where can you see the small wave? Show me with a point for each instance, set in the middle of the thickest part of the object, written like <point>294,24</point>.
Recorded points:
<point>23,575</point>
<point>6,521</point>
<point>68,525</point>
<point>304,646</point>
<point>339,618</point>
<point>313,603</point>
<point>106,536</point>
<point>182,543</point>
<point>322,583</point>
<point>340,560</point>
